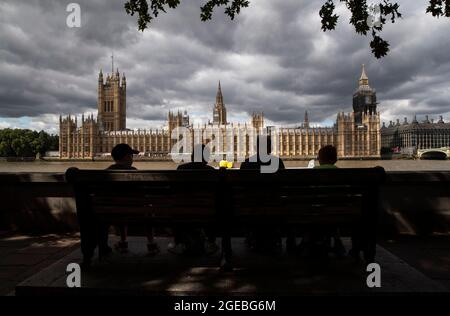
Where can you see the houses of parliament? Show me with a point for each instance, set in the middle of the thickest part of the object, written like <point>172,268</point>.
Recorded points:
<point>355,135</point>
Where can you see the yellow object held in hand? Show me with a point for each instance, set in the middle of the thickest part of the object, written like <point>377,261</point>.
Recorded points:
<point>225,164</point>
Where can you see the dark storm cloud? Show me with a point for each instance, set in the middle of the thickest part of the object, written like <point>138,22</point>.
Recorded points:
<point>47,67</point>
<point>273,58</point>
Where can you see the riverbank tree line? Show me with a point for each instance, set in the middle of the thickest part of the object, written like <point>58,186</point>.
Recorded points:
<point>26,143</point>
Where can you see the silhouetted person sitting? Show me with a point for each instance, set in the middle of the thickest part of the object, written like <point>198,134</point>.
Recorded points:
<point>122,155</point>
<point>320,243</point>
<point>200,162</point>
<point>188,240</point>
<point>263,157</point>
<point>327,157</point>
<point>264,239</point>
<point>123,160</point>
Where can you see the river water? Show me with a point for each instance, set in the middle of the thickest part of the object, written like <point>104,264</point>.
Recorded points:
<point>61,166</point>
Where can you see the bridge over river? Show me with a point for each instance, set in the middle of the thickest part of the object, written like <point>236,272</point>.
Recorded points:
<point>434,153</point>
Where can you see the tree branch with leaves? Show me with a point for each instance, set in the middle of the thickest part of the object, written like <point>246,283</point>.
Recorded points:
<point>147,10</point>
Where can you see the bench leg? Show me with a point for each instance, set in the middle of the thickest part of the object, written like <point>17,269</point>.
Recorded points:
<point>357,243</point>
<point>291,244</point>
<point>370,247</point>
<point>365,235</point>
<point>87,224</point>
<point>225,264</point>
<point>369,254</point>
<point>93,234</point>
<point>88,244</point>
<point>365,242</point>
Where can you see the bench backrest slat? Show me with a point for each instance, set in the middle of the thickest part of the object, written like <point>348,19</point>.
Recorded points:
<point>295,195</point>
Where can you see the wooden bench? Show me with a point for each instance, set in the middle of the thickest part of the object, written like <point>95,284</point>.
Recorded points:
<point>228,199</point>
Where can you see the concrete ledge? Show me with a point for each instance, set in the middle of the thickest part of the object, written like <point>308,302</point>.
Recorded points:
<point>413,177</point>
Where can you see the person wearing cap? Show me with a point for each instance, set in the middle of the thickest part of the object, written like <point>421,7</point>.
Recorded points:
<point>123,160</point>
<point>123,157</point>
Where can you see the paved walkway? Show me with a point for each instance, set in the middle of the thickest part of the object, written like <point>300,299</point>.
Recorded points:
<point>23,256</point>
<point>430,255</point>
<point>136,273</point>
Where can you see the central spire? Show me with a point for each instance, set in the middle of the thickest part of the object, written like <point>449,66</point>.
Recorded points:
<point>219,97</point>
<point>306,120</point>
<point>219,112</point>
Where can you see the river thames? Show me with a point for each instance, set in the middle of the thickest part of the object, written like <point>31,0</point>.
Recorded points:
<point>61,166</point>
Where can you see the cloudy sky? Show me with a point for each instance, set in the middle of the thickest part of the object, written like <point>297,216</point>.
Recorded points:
<point>272,58</point>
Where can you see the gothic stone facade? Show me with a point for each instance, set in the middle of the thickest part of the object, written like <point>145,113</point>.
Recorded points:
<point>355,135</point>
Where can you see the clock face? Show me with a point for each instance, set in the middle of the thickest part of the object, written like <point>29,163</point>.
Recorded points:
<point>368,99</point>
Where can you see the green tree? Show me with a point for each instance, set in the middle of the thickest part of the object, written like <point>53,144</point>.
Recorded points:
<point>6,150</point>
<point>147,10</point>
<point>26,143</point>
<point>18,146</point>
<point>42,143</point>
<point>53,142</point>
